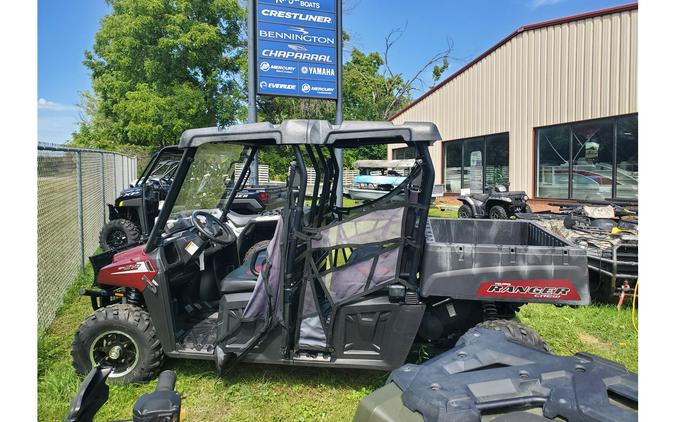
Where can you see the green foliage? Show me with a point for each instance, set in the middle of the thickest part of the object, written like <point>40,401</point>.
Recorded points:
<point>161,67</point>
<point>368,94</point>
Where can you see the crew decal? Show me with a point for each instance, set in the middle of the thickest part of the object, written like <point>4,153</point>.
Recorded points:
<point>530,289</point>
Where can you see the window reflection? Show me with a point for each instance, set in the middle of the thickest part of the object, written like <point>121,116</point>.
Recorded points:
<point>590,146</point>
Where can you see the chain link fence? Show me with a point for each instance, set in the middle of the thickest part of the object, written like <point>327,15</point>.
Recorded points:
<point>74,186</point>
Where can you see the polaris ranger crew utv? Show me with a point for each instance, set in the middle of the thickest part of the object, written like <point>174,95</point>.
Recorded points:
<point>336,287</point>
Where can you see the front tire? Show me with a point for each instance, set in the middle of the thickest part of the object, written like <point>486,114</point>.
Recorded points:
<point>517,332</point>
<point>121,336</point>
<point>497,212</point>
<point>465,212</point>
<point>119,233</point>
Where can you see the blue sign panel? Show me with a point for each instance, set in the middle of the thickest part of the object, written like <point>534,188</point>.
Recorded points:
<point>321,5</point>
<point>296,48</point>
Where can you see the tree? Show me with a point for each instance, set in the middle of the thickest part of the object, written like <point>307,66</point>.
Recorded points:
<point>159,67</point>
<point>371,91</point>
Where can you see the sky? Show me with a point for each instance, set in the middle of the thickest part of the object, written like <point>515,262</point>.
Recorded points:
<point>66,28</point>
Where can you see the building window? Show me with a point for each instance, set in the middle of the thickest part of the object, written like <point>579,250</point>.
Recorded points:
<point>603,156</point>
<point>476,163</point>
<point>404,153</point>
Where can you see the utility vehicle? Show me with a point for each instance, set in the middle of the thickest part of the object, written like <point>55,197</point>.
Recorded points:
<point>497,203</point>
<point>134,211</point>
<point>352,287</point>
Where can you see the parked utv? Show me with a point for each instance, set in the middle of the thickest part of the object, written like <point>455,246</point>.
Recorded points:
<point>133,213</point>
<point>352,287</point>
<point>498,203</point>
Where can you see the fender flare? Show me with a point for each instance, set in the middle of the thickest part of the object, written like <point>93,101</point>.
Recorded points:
<point>468,201</point>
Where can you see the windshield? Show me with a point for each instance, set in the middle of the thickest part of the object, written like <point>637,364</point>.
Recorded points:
<point>209,179</point>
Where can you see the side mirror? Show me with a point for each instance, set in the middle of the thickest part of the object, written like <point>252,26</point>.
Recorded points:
<point>258,261</point>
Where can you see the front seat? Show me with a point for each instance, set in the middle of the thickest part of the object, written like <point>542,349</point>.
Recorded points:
<point>242,279</point>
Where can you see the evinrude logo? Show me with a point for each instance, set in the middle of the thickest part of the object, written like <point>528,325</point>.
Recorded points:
<point>277,85</point>
<point>530,289</point>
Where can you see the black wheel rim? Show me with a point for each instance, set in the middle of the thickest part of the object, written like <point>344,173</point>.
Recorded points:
<point>115,349</point>
<point>116,238</point>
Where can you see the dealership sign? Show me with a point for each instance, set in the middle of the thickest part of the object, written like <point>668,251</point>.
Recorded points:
<point>296,48</point>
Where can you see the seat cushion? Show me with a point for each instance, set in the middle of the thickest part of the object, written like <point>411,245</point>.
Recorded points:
<point>242,278</point>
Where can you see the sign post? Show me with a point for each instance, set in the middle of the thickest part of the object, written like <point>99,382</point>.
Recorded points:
<point>295,50</point>
<point>252,112</point>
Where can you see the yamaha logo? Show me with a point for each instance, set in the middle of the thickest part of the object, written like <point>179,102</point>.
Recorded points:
<point>304,69</point>
<point>306,88</point>
<point>264,66</point>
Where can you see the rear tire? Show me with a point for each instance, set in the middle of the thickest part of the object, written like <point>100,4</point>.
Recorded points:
<point>119,233</point>
<point>122,336</point>
<point>517,332</point>
<point>253,249</point>
<point>465,212</point>
<point>497,212</point>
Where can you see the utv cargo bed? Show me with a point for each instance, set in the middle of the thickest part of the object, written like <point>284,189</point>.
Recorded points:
<point>505,260</point>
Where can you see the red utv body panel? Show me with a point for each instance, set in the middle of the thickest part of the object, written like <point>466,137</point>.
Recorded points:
<point>129,268</point>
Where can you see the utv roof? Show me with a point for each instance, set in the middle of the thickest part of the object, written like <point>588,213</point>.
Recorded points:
<point>314,132</point>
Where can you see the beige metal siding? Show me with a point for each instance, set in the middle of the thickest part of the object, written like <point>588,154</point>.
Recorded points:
<point>573,71</point>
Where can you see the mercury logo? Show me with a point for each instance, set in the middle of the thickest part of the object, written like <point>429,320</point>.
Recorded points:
<point>306,88</point>
<point>264,66</point>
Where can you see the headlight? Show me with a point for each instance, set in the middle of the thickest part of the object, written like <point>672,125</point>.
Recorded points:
<point>525,198</point>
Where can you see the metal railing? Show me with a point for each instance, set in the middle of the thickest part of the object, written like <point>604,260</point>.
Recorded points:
<point>74,186</point>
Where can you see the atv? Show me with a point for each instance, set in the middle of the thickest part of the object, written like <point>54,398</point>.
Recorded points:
<point>497,203</point>
<point>358,287</point>
<point>133,213</point>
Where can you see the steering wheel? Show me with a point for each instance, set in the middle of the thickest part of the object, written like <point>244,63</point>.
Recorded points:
<point>212,228</point>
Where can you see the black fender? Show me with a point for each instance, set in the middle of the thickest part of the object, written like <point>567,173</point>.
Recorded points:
<point>498,201</point>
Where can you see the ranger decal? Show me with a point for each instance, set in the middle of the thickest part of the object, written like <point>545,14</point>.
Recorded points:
<point>530,289</point>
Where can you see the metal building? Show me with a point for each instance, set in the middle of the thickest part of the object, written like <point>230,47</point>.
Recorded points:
<point>551,109</point>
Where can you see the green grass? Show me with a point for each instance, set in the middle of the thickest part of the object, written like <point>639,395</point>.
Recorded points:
<point>271,393</point>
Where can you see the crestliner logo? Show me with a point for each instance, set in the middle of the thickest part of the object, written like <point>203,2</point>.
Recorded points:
<point>307,17</point>
<point>532,289</point>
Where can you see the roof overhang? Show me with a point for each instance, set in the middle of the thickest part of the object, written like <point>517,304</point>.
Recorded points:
<point>314,132</point>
